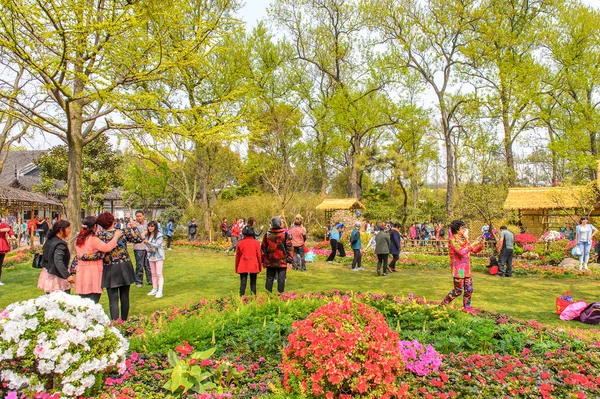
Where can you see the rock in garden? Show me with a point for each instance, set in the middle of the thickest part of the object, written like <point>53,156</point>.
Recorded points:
<point>569,262</point>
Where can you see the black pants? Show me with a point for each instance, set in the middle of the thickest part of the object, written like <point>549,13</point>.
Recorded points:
<point>357,261</point>
<point>42,236</point>
<point>93,297</point>
<point>141,265</point>
<point>114,295</point>
<point>244,281</point>
<point>169,238</point>
<point>338,247</point>
<point>276,273</point>
<point>1,262</point>
<point>395,258</point>
<point>382,259</point>
<point>506,256</point>
<point>191,237</point>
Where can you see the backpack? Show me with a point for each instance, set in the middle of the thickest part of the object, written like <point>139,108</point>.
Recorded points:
<point>591,314</point>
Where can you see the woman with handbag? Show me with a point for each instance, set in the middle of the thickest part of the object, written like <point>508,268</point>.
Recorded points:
<point>584,234</point>
<point>4,247</point>
<point>55,275</point>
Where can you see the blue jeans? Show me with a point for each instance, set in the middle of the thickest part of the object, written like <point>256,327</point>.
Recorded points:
<point>584,247</point>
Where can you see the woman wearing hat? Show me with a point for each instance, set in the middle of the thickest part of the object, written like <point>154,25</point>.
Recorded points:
<point>276,250</point>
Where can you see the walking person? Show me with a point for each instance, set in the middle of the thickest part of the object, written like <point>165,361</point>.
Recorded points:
<point>24,233</point>
<point>90,251</point>
<point>235,236</point>
<point>460,251</point>
<point>505,247</point>
<point>55,275</point>
<point>382,249</point>
<point>156,257</point>
<point>584,234</point>
<point>334,241</point>
<point>117,273</point>
<point>169,230</point>
<point>248,259</point>
<point>395,244</point>
<point>276,250</point>
<point>356,246</point>
<point>298,233</point>
<point>142,265</point>
<point>192,230</point>
<point>4,245</point>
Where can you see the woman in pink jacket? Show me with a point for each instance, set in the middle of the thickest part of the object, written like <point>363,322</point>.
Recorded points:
<point>248,259</point>
<point>90,251</point>
<point>460,251</point>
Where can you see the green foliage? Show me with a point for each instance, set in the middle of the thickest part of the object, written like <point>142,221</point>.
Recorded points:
<point>101,169</point>
<point>168,213</point>
<point>145,183</point>
<point>195,373</point>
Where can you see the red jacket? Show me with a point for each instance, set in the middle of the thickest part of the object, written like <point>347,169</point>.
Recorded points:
<point>235,230</point>
<point>248,258</point>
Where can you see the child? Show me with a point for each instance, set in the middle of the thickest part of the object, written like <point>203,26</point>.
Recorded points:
<point>493,266</point>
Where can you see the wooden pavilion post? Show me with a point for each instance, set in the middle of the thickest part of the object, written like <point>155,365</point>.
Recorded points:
<point>31,233</point>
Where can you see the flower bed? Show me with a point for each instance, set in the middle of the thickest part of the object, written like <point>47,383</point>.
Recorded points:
<point>448,353</point>
<point>219,245</point>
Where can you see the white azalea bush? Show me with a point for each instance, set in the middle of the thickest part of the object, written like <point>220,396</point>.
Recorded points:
<point>57,343</point>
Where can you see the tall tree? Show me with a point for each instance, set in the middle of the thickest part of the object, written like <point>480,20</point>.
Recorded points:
<point>343,91</point>
<point>573,45</point>
<point>77,58</point>
<point>502,67</point>
<point>427,37</point>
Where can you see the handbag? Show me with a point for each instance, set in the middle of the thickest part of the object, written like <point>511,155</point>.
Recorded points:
<point>576,251</point>
<point>37,261</point>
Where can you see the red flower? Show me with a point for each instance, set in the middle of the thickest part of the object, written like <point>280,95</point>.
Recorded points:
<point>185,349</point>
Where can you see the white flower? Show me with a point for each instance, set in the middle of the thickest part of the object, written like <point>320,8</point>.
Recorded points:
<point>81,322</point>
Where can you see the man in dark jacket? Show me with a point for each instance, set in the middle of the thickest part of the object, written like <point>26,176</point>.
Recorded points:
<point>395,240</point>
<point>276,249</point>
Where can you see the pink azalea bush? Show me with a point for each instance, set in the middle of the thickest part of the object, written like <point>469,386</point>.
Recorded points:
<point>420,361</point>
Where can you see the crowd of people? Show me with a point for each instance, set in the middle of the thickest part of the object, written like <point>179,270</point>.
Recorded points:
<point>102,261</point>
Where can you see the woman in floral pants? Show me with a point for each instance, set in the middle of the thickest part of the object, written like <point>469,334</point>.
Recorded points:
<point>460,251</point>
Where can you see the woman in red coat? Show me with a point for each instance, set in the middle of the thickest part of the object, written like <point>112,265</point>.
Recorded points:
<point>248,260</point>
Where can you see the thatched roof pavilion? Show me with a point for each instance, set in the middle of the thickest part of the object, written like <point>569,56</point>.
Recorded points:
<point>331,205</point>
<point>550,208</point>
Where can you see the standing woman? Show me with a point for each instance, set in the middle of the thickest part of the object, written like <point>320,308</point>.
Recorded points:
<point>55,274</point>
<point>298,233</point>
<point>42,229</point>
<point>118,274</point>
<point>90,249</point>
<point>235,235</point>
<point>4,247</point>
<point>156,257</point>
<point>334,240</point>
<point>169,232</point>
<point>248,259</point>
<point>460,251</point>
<point>584,233</point>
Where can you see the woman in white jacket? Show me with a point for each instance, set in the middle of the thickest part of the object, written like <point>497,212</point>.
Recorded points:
<point>156,258</point>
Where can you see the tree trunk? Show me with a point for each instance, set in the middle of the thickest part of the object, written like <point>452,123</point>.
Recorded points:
<point>74,184</point>
<point>404,205</point>
<point>594,151</point>
<point>353,185</point>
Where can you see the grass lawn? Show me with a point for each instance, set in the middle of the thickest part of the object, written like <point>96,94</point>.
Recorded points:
<point>192,274</point>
